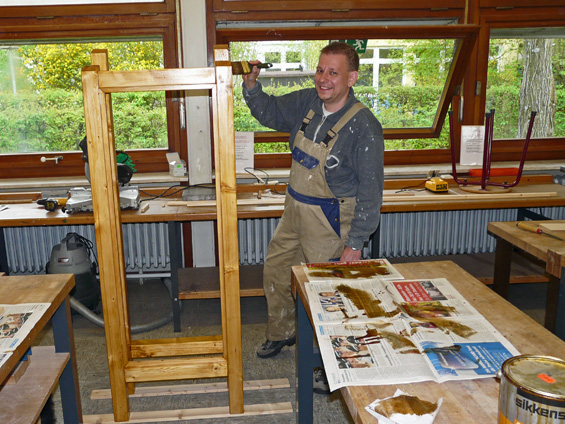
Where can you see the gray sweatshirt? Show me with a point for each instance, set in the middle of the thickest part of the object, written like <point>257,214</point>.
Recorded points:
<point>355,164</point>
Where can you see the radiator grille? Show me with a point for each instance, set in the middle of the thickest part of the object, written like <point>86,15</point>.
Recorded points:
<point>146,246</point>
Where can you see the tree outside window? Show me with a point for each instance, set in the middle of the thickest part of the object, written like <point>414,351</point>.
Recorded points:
<point>41,108</point>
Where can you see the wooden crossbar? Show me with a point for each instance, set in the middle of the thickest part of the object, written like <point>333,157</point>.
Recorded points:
<point>175,369</point>
<point>157,80</point>
<point>179,346</point>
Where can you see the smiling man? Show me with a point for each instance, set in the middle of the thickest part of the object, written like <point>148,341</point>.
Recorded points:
<point>334,196</point>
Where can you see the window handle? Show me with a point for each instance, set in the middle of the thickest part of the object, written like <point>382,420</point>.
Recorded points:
<point>55,158</point>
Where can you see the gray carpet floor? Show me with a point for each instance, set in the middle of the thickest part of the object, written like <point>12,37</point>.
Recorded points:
<point>150,300</point>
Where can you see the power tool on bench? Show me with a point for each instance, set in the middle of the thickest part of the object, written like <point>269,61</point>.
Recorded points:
<point>80,198</point>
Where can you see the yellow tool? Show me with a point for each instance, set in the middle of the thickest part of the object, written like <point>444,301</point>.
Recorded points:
<point>436,184</point>
<point>50,204</point>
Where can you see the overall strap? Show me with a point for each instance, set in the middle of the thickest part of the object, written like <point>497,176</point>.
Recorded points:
<point>307,120</point>
<point>344,120</point>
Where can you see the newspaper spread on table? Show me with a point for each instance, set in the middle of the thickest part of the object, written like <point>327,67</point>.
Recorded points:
<point>375,330</point>
<point>16,322</point>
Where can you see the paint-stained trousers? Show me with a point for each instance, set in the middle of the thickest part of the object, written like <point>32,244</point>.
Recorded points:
<point>303,235</point>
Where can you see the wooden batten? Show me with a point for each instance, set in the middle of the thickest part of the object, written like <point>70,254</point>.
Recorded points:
<point>175,369</point>
<point>176,347</point>
<point>226,192</point>
<point>108,228</point>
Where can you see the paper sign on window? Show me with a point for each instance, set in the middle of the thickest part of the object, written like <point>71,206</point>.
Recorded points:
<point>472,144</point>
<point>243,151</point>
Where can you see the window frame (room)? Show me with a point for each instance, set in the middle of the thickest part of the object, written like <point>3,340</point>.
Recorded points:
<point>96,22</point>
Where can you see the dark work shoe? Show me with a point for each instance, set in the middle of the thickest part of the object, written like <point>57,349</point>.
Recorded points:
<point>321,382</point>
<point>269,348</point>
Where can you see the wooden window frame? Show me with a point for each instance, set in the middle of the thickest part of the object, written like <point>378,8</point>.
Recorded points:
<point>465,36</point>
<point>98,21</point>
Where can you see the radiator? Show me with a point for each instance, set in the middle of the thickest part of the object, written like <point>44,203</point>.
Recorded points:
<point>146,246</point>
<point>405,234</point>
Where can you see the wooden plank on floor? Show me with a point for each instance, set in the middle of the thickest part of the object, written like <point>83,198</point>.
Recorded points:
<point>193,414</point>
<point>191,389</point>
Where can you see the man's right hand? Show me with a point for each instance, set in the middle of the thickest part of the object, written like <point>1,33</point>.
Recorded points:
<point>250,80</point>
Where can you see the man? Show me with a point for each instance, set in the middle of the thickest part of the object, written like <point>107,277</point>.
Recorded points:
<point>334,196</point>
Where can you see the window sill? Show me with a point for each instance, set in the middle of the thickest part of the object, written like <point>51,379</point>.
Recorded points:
<point>400,171</point>
<point>60,183</point>
<point>396,171</point>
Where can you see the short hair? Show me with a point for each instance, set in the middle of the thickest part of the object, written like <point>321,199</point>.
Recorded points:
<point>339,47</point>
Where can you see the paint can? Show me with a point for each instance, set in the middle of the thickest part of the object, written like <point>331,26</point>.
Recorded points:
<point>532,390</point>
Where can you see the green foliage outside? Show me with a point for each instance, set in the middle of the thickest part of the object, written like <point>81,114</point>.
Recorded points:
<point>41,108</point>
<point>504,80</point>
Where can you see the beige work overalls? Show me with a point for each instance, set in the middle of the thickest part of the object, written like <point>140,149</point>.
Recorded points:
<point>313,228</point>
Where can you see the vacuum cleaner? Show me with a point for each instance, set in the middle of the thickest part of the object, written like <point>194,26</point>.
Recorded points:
<point>73,256</point>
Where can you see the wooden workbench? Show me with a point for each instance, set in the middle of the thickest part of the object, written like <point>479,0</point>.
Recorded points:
<point>469,401</point>
<point>22,402</point>
<point>548,249</point>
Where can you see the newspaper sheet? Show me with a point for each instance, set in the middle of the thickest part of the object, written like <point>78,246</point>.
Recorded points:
<point>375,331</point>
<point>16,322</point>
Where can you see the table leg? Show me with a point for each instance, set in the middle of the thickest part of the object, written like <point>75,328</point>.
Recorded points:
<point>3,253</point>
<point>175,246</point>
<point>68,382</point>
<point>558,297</point>
<point>502,263</point>
<point>304,366</point>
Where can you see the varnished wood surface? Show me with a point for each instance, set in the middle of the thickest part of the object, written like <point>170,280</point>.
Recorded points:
<point>542,246</point>
<point>31,214</point>
<point>472,401</point>
<point>52,288</point>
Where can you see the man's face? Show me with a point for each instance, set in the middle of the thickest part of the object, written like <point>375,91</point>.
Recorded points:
<point>333,80</point>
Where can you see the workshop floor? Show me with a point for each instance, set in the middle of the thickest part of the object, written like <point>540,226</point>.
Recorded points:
<point>150,301</point>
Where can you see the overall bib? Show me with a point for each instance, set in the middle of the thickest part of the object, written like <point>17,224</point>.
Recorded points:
<point>313,228</point>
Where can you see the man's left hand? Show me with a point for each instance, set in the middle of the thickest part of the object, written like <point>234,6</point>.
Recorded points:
<point>349,255</point>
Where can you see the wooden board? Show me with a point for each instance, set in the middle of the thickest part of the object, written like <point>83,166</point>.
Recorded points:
<point>218,412</point>
<point>204,283</point>
<point>193,389</point>
<point>23,402</point>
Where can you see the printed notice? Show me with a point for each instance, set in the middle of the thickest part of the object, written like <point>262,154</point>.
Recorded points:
<point>243,151</point>
<point>472,143</point>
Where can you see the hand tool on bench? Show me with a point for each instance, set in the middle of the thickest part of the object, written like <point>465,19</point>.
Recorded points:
<point>528,227</point>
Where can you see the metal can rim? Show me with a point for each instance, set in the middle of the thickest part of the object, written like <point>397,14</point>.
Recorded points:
<point>526,389</point>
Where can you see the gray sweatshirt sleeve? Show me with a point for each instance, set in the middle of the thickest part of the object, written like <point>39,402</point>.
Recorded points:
<point>281,113</point>
<point>368,157</point>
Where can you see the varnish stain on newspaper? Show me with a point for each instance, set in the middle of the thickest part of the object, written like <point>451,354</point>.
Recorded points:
<point>365,301</point>
<point>405,404</point>
<point>436,314</point>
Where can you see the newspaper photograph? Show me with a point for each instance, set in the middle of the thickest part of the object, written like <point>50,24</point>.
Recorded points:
<point>394,332</point>
<point>16,322</point>
<point>365,269</point>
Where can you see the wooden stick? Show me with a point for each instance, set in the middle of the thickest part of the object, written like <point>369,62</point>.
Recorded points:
<point>532,228</point>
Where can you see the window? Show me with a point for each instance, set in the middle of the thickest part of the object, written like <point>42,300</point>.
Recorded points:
<point>41,107</point>
<point>527,74</point>
<point>41,116</point>
<point>403,81</point>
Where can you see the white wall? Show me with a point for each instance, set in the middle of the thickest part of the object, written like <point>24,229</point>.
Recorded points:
<point>194,52</point>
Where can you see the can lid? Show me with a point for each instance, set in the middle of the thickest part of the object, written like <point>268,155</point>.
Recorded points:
<point>543,375</point>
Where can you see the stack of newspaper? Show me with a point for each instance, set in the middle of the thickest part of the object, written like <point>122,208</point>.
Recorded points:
<point>374,327</point>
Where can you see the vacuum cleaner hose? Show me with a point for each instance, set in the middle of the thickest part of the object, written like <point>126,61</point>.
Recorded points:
<point>136,329</point>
